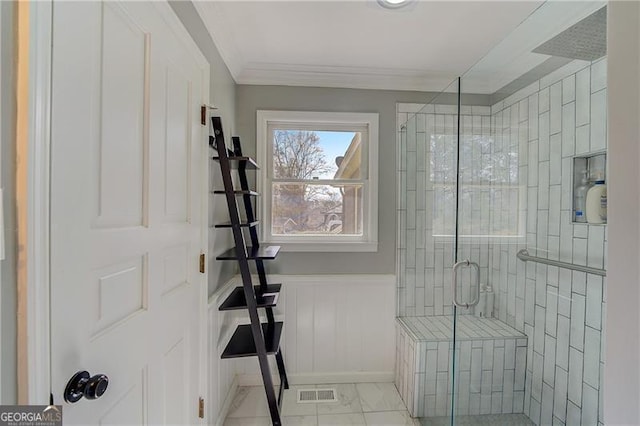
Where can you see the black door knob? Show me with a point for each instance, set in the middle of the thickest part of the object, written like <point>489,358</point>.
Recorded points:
<point>96,386</point>
<point>82,384</point>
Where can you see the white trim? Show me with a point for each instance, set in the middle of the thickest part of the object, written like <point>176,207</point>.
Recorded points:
<point>181,33</point>
<point>2,84</point>
<point>368,242</point>
<point>204,242</point>
<point>38,214</point>
<point>339,77</point>
<point>322,378</point>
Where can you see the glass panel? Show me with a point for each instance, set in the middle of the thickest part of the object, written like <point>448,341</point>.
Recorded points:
<point>316,209</point>
<point>426,167</point>
<point>535,103</point>
<point>316,154</point>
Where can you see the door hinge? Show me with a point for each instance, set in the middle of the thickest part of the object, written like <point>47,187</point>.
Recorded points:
<point>201,407</point>
<point>203,115</point>
<point>202,263</point>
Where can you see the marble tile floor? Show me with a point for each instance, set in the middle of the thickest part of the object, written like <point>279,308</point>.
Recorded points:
<point>371,404</point>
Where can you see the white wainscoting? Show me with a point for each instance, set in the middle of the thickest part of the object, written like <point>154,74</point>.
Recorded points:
<point>337,329</point>
<point>222,373</point>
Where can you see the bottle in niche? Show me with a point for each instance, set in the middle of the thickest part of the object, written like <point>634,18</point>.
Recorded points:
<point>580,201</point>
<point>596,204</point>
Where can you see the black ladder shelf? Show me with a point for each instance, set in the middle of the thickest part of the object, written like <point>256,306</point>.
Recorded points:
<point>255,339</point>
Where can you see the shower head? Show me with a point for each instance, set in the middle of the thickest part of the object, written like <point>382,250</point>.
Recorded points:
<point>586,40</point>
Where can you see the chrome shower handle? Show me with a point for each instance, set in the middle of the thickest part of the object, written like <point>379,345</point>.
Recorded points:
<point>454,280</point>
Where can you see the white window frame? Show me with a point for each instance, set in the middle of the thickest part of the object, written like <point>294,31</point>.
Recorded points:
<point>368,241</point>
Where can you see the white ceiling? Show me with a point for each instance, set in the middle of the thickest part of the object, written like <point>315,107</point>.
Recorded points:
<point>512,57</point>
<point>357,44</point>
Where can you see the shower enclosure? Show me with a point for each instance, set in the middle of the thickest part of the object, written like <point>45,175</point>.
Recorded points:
<point>501,285</point>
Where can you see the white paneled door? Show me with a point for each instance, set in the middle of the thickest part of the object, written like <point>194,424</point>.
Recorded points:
<point>128,158</point>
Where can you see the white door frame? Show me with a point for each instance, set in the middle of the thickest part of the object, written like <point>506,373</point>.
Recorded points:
<point>2,82</point>
<point>38,199</point>
<point>38,211</point>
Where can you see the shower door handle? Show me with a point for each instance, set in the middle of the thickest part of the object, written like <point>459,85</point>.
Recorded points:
<point>454,280</point>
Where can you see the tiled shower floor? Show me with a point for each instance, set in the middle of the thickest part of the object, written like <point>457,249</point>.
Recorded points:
<point>485,420</point>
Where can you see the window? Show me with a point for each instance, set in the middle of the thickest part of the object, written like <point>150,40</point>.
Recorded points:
<point>319,180</point>
<point>491,198</point>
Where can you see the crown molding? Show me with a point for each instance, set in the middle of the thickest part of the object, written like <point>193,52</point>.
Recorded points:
<point>342,77</point>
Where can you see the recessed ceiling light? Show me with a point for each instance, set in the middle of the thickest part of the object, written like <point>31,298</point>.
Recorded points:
<point>393,4</point>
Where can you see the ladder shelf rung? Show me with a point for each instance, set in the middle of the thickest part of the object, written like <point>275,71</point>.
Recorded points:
<point>235,162</point>
<point>236,299</point>
<point>237,192</point>
<point>242,225</point>
<point>242,344</point>
<point>269,253</point>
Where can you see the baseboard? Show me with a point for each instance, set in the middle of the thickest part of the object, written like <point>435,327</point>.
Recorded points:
<point>322,378</point>
<point>222,415</point>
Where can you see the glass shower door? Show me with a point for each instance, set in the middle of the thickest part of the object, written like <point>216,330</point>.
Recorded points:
<point>437,127</point>
<point>477,193</point>
<point>532,116</point>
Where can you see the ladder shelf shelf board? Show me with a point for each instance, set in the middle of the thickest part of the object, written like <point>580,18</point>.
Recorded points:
<point>267,298</point>
<point>252,253</point>
<point>241,224</point>
<point>236,162</point>
<point>257,338</point>
<point>241,343</point>
<point>238,192</point>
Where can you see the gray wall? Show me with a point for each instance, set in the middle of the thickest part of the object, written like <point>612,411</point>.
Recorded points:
<point>252,98</point>
<point>222,89</point>
<point>8,378</point>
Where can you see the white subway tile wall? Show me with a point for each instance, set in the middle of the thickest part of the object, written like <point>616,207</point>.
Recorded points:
<point>527,140</point>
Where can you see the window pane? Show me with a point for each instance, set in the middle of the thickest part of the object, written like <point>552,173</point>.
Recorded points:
<point>310,209</point>
<point>315,154</point>
<point>489,186</point>
<point>478,214</point>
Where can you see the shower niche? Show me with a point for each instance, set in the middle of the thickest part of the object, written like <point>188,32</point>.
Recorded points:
<point>589,170</point>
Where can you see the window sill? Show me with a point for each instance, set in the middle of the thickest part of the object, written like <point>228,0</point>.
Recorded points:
<point>324,247</point>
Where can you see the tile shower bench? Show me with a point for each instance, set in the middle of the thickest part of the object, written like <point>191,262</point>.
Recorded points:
<point>490,364</point>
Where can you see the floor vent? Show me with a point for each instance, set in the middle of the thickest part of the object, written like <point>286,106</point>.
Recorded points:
<point>316,395</point>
